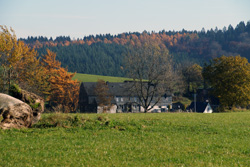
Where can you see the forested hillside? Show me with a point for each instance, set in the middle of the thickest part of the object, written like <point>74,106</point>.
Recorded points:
<point>98,58</point>
<point>103,54</point>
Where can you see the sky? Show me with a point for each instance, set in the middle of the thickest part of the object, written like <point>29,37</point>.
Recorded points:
<point>79,18</point>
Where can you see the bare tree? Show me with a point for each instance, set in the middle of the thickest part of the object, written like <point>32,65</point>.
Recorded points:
<point>150,67</point>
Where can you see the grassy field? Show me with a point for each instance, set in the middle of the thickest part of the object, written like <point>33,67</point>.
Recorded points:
<point>162,139</point>
<point>93,78</point>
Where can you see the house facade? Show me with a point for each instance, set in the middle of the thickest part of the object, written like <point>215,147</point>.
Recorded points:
<point>122,100</point>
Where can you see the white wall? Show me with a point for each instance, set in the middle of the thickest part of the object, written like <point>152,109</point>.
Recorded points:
<point>112,110</point>
<point>208,109</point>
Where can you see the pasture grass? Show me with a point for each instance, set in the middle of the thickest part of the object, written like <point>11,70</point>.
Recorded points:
<point>138,139</point>
<point>94,78</point>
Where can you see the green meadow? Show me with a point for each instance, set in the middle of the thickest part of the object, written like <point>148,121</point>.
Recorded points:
<point>138,139</point>
<point>93,78</point>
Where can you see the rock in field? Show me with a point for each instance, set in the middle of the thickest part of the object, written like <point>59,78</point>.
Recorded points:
<point>16,113</point>
<point>34,101</point>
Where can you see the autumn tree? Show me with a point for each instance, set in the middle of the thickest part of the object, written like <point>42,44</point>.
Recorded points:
<point>103,96</point>
<point>19,64</point>
<point>63,90</point>
<point>229,77</point>
<point>30,74</point>
<point>151,70</point>
<point>10,55</point>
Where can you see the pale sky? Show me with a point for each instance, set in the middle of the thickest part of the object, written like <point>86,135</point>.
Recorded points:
<point>79,18</point>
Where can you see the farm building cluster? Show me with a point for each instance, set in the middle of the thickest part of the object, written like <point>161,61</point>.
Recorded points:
<point>123,100</point>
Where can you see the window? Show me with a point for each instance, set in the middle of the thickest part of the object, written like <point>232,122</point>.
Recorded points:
<point>121,99</point>
<point>135,99</point>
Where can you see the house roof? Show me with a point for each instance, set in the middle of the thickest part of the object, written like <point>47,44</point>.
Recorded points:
<point>120,89</point>
<point>200,106</point>
<point>115,89</point>
<point>89,88</point>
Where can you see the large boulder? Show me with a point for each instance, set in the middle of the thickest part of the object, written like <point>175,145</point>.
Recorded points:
<point>16,113</point>
<point>34,101</point>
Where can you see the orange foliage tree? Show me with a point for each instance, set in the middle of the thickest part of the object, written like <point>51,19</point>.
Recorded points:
<point>63,90</point>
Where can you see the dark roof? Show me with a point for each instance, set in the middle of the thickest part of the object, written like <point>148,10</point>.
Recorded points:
<point>89,88</point>
<point>119,88</point>
<point>200,106</point>
<point>115,88</point>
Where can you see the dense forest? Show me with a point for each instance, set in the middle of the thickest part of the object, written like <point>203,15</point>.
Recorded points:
<point>103,54</point>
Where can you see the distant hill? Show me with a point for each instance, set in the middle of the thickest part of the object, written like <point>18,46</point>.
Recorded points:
<point>103,54</point>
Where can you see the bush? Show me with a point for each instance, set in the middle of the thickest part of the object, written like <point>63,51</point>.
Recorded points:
<point>59,120</point>
<point>15,91</point>
<point>76,120</point>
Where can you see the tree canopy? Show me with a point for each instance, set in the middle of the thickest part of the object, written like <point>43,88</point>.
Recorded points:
<point>63,90</point>
<point>229,77</point>
<point>192,75</point>
<point>20,65</point>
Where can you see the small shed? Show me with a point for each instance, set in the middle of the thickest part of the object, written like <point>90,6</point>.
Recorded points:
<point>200,107</point>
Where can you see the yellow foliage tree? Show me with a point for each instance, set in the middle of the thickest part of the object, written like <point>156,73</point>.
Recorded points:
<point>229,77</point>
<point>31,75</point>
<point>19,64</point>
<point>10,54</point>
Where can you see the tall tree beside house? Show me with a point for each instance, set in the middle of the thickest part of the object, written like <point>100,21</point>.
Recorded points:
<point>229,77</point>
<point>151,70</point>
<point>63,90</point>
<point>103,96</point>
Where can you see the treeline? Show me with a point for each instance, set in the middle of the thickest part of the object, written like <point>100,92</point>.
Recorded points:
<point>98,58</point>
<point>103,54</point>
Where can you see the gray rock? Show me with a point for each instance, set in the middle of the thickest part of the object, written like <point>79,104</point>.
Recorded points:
<point>34,101</point>
<point>16,114</point>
